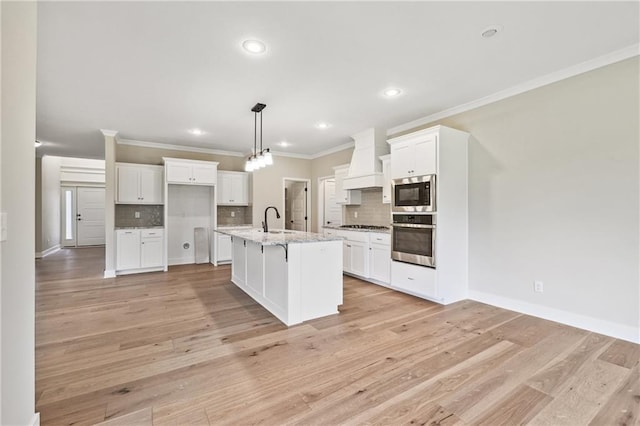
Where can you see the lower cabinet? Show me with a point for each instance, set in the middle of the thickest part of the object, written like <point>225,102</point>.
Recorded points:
<point>414,279</point>
<point>367,255</point>
<point>139,250</point>
<point>224,250</point>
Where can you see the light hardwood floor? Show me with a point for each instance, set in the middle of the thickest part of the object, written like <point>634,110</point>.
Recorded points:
<point>187,347</point>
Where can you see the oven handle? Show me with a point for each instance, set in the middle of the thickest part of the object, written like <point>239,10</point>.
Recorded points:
<point>412,225</point>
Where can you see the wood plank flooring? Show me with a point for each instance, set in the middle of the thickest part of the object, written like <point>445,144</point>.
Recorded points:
<point>189,348</point>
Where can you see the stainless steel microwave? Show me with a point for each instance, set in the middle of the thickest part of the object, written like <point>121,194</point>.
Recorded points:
<point>414,194</point>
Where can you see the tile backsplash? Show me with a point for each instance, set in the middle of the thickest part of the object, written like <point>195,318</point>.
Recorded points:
<point>150,215</point>
<point>242,215</point>
<point>371,211</point>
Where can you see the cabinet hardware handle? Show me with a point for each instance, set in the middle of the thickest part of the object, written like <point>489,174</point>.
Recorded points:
<point>410,279</point>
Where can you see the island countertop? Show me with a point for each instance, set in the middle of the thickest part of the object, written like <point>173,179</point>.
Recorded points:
<point>277,236</point>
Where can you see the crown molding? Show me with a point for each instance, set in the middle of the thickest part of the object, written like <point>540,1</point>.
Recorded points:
<point>172,147</point>
<point>333,150</point>
<point>291,155</point>
<point>599,62</point>
<point>109,133</point>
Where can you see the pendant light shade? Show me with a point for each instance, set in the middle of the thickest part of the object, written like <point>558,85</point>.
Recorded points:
<point>262,158</point>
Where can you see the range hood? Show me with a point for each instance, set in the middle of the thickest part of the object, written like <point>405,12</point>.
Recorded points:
<point>365,170</point>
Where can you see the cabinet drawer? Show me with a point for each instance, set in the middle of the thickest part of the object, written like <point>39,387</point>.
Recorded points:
<point>330,232</point>
<point>415,279</point>
<point>151,233</point>
<point>379,238</point>
<point>362,237</point>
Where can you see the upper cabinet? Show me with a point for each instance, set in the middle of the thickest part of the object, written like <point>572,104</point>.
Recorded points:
<point>414,157</point>
<point>138,184</point>
<point>345,196</point>
<point>191,172</point>
<point>386,173</point>
<point>233,188</point>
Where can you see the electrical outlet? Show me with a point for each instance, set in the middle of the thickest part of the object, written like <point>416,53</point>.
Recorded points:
<point>3,226</point>
<point>355,214</point>
<point>233,214</point>
<point>538,286</point>
<point>137,215</point>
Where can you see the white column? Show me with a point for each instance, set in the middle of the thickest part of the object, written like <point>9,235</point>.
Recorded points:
<point>109,202</point>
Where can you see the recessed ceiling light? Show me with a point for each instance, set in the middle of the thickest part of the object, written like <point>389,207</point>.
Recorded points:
<point>284,144</point>
<point>322,125</point>
<point>392,92</point>
<point>491,31</point>
<point>196,132</point>
<point>38,144</point>
<point>254,46</point>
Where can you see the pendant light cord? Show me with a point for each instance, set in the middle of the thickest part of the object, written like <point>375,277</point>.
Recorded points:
<point>255,133</point>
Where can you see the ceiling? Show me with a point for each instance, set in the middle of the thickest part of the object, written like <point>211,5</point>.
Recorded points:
<point>155,70</point>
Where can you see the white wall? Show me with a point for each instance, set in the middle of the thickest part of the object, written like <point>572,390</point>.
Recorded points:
<point>268,187</point>
<point>554,196</point>
<point>17,199</point>
<point>50,202</point>
<point>189,208</point>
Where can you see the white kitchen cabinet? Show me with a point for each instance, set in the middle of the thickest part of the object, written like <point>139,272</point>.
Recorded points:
<point>414,157</point>
<point>151,248</point>
<point>345,196</point>
<point>139,250</point>
<point>367,255</point>
<point>414,279</point>
<point>443,151</point>
<point>380,257</point>
<point>128,249</point>
<point>191,172</point>
<point>225,248</point>
<point>139,184</point>
<point>239,264</point>
<point>386,173</point>
<point>233,188</point>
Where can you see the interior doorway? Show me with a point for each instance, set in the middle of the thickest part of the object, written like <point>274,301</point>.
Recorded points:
<point>296,204</point>
<point>82,214</point>
<point>329,211</point>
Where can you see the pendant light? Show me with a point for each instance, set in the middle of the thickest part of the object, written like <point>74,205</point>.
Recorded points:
<point>262,158</point>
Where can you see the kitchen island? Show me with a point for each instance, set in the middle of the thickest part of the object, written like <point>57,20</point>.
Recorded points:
<point>297,276</point>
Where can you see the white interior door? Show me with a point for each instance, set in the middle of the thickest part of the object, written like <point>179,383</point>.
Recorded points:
<point>332,210</point>
<point>299,206</point>
<point>90,216</point>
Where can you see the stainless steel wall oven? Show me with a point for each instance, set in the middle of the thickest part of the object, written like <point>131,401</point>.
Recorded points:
<point>413,239</point>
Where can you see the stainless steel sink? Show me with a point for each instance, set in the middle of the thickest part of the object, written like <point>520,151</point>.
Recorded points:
<point>281,232</point>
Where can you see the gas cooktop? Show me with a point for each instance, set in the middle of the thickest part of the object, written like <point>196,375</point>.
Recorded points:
<point>364,226</point>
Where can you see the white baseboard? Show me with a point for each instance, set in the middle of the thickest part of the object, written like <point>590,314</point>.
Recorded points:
<point>35,420</point>
<point>608,328</point>
<point>109,273</point>
<point>47,252</point>
<point>182,261</point>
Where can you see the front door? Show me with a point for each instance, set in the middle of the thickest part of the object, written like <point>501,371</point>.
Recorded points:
<point>90,216</point>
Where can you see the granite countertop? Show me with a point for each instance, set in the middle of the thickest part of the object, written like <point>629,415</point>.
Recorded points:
<point>277,236</point>
<point>234,226</point>
<point>379,231</point>
<point>141,227</point>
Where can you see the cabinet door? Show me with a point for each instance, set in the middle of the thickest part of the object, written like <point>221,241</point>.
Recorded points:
<point>386,186</point>
<point>178,173</point>
<point>151,250</point>
<point>127,250</point>
<point>402,161</point>
<point>239,263</point>
<point>204,174</point>
<point>223,188</point>
<point>425,157</point>
<point>380,262</point>
<point>224,248</point>
<point>239,189</point>
<point>128,189</point>
<point>359,258</point>
<point>418,280</point>
<point>341,194</point>
<point>346,256</point>
<point>150,186</point>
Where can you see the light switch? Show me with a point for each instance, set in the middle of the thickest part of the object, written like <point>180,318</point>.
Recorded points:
<point>233,214</point>
<point>3,226</point>
<point>137,215</point>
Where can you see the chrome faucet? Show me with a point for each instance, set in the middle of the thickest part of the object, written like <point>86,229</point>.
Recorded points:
<point>265,226</point>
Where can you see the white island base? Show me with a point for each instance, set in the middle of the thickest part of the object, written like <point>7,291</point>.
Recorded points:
<point>296,282</point>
